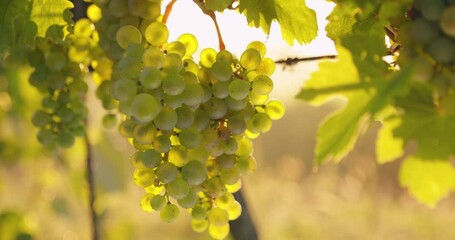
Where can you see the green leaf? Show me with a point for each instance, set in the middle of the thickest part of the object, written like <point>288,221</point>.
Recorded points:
<point>341,20</point>
<point>297,21</point>
<point>46,13</point>
<point>427,124</point>
<point>428,181</point>
<point>333,78</point>
<point>388,146</point>
<point>338,134</point>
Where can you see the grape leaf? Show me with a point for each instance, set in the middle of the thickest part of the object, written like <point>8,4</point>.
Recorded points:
<point>46,13</point>
<point>428,181</point>
<point>388,146</point>
<point>328,81</point>
<point>341,20</point>
<point>297,21</point>
<point>424,122</point>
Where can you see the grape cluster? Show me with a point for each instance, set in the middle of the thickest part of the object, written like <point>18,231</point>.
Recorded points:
<point>60,62</point>
<point>428,40</point>
<point>190,122</point>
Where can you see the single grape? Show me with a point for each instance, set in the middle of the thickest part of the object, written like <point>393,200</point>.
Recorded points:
<point>173,84</point>
<point>176,47</point>
<point>274,109</point>
<point>239,89</point>
<point>185,117</point>
<point>153,57</point>
<point>199,225</point>
<point>124,89</point>
<point>150,158</point>
<point>447,21</point>
<point>218,216</point>
<point>208,57</point>
<point>161,144</point>
<point>190,137</point>
<point>190,200</point>
<point>166,119</point>
<point>178,188</point>
<point>166,172</point>
<point>230,176</point>
<point>145,107</point>
<point>156,33</point>
<point>250,59</point>
<point>262,85</point>
<point>150,77</point>
<point>220,89</point>
<point>234,210</point>
<point>219,232</point>
<point>190,42</point>
<point>194,172</point>
<point>169,213</point>
<point>127,35</point>
<point>193,94</point>
<point>157,202</point>
<point>221,70</point>
<point>199,213</point>
<point>109,120</point>
<point>41,118</point>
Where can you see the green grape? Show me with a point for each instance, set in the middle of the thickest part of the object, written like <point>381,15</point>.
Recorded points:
<point>156,33</point>
<point>257,99</point>
<point>157,202</point>
<point>274,109</point>
<point>172,63</point>
<point>250,59</point>
<point>234,210</point>
<point>124,89</point>
<point>41,119</point>
<point>239,89</point>
<point>185,117</point>
<point>224,55</point>
<point>145,107</point>
<point>218,216</point>
<point>207,92</point>
<point>169,213</point>
<point>199,213</point>
<point>226,160</point>
<point>245,147</point>
<point>150,77</point>
<point>442,50</point>
<point>201,119</point>
<point>208,57</point>
<point>178,155</point>
<point>127,35</point>
<point>259,46</point>
<point>65,139</point>
<point>145,202</point>
<point>215,187</point>
<point>191,66</point>
<point>178,188</point>
<point>118,8</point>
<point>423,31</point>
<point>126,128</point>
<point>173,84</point>
<point>144,177</point>
<point>190,137</point>
<point>83,27</point>
<point>210,138</point>
<point>447,21</point>
<point>431,10</point>
<point>150,158</point>
<point>236,105</point>
<point>56,60</point>
<point>194,172</point>
<point>174,101</point>
<point>199,225</point>
<point>129,67</point>
<point>166,172</point>
<point>177,48</point>
<point>216,108</point>
<point>221,70</point>
<point>149,10</point>
<point>234,187</point>
<point>229,146</point>
<point>262,85</point>
<point>190,200</point>
<point>259,123</point>
<point>225,200</point>
<point>190,42</point>
<point>236,125</point>
<point>246,164</point>
<point>267,67</point>
<point>109,120</point>
<point>193,94</point>
<point>166,119</point>
<point>230,176</point>
<point>199,153</point>
<point>94,13</point>
<point>65,114</point>
<point>220,89</point>
<point>153,57</point>
<point>125,106</point>
<point>161,144</point>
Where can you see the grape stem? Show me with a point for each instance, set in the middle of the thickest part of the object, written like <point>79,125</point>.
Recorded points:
<point>212,15</point>
<point>168,11</point>
<point>91,188</point>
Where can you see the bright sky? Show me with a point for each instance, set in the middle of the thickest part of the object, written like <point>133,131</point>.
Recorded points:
<point>186,17</point>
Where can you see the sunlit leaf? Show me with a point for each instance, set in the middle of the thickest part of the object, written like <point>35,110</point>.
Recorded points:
<point>46,13</point>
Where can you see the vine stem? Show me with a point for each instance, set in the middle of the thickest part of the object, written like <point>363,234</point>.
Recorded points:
<point>91,187</point>
<point>212,15</point>
<point>168,11</point>
<point>292,61</point>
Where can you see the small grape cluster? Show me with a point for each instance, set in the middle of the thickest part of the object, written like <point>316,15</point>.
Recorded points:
<point>60,64</point>
<point>428,40</point>
<point>191,123</point>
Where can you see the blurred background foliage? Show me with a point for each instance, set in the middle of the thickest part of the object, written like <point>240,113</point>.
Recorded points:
<point>43,195</point>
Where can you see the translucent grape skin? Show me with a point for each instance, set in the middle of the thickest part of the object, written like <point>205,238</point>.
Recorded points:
<point>169,213</point>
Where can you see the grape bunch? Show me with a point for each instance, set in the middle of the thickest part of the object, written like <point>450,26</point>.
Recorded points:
<point>427,41</point>
<point>60,64</point>
<point>190,122</point>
